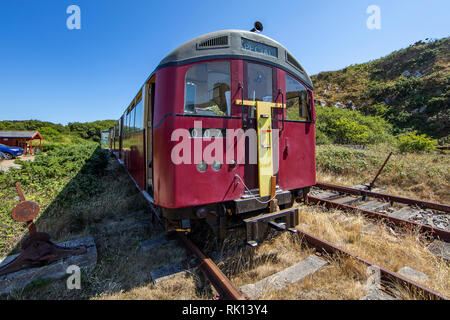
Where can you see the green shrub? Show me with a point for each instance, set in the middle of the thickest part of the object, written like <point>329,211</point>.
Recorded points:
<point>321,138</point>
<point>349,131</point>
<point>60,178</point>
<point>413,142</point>
<point>342,126</point>
<point>50,133</point>
<point>444,141</point>
<point>49,146</point>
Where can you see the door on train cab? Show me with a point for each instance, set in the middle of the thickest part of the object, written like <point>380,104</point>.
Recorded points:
<point>150,103</point>
<point>260,84</point>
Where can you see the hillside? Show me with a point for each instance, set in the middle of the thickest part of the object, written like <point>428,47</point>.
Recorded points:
<point>409,88</point>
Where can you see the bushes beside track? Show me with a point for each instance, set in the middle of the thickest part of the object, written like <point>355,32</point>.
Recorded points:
<point>61,177</point>
<point>342,126</point>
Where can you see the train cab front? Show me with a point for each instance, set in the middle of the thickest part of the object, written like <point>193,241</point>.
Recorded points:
<point>233,134</point>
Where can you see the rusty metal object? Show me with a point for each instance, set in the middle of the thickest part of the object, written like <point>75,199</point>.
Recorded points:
<point>386,197</point>
<point>25,211</point>
<point>273,188</point>
<point>385,274</point>
<point>37,249</point>
<point>435,232</point>
<point>220,282</point>
<point>379,171</point>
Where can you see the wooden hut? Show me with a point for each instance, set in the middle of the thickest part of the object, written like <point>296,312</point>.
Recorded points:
<point>22,139</point>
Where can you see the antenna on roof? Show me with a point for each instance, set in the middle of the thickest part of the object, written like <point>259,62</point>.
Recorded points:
<point>258,27</point>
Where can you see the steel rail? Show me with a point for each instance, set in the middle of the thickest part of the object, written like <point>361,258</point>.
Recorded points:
<point>384,273</point>
<point>221,283</point>
<point>435,232</point>
<point>419,203</point>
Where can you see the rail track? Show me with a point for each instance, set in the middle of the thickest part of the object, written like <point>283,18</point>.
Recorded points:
<point>220,282</point>
<point>381,207</point>
<point>386,275</point>
<point>228,291</point>
<point>341,198</point>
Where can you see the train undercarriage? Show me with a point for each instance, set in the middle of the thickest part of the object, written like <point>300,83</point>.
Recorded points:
<point>255,214</point>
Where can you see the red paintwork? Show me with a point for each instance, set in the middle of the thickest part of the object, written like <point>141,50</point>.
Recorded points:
<point>177,186</point>
<point>183,185</point>
<point>134,157</point>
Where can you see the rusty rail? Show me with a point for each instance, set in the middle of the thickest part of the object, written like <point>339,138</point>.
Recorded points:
<point>220,282</point>
<point>385,274</point>
<point>386,197</point>
<point>435,232</point>
<point>379,172</point>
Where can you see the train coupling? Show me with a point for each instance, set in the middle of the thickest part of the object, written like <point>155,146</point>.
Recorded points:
<point>283,220</point>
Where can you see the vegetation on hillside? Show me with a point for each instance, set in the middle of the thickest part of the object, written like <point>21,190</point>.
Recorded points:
<point>408,88</point>
<point>58,133</point>
<point>341,126</point>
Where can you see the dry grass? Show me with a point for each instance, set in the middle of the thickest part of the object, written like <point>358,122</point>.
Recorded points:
<point>422,176</point>
<point>378,244</point>
<point>249,265</point>
<point>342,279</point>
<point>122,271</point>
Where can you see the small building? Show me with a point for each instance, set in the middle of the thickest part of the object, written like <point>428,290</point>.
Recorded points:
<point>104,141</point>
<point>22,139</point>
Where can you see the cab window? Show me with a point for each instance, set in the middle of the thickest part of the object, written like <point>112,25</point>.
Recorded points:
<point>298,102</point>
<point>207,89</point>
<point>259,81</point>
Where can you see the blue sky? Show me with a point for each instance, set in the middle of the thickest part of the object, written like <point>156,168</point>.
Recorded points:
<point>51,73</point>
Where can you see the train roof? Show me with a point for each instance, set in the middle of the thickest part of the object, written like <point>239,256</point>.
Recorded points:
<point>238,44</point>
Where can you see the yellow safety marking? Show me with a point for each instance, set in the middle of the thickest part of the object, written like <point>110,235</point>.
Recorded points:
<point>252,103</point>
<point>264,135</point>
<point>264,129</point>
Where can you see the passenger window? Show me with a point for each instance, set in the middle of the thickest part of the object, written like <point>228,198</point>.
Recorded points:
<point>127,122</point>
<point>139,117</point>
<point>207,89</point>
<point>298,105</point>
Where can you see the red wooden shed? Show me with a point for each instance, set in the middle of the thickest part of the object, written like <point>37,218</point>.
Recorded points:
<point>22,139</point>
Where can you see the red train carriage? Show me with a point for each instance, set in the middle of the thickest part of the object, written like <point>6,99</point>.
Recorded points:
<point>223,128</point>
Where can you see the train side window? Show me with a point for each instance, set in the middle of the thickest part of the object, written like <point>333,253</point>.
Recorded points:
<point>139,117</point>
<point>207,89</point>
<point>126,123</point>
<point>130,121</point>
<point>298,102</point>
<point>132,124</point>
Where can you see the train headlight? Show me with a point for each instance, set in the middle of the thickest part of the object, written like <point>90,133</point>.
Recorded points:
<point>216,165</point>
<point>202,166</point>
